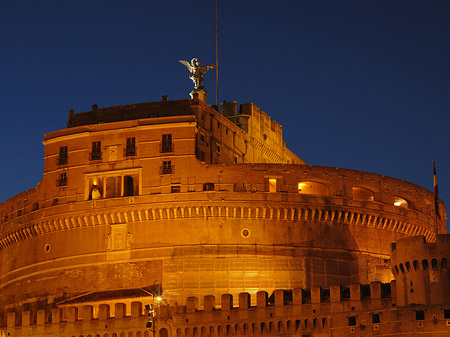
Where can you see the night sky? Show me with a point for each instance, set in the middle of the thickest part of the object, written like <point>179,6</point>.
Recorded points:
<point>360,84</point>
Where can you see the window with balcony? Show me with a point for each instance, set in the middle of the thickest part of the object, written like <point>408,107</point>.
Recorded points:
<point>166,167</point>
<point>166,143</point>
<point>96,153</point>
<point>62,159</point>
<point>131,147</point>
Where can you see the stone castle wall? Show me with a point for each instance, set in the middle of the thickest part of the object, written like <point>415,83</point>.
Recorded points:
<point>368,310</point>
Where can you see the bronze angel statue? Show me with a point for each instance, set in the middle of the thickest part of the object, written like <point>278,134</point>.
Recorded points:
<point>197,72</point>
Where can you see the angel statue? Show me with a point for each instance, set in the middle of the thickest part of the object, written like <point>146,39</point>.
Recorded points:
<point>197,72</point>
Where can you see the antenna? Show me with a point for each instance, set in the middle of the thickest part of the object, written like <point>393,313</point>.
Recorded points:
<point>217,61</point>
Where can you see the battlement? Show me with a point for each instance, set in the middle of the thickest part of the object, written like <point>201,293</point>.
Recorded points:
<point>280,302</point>
<point>343,310</point>
<point>119,113</point>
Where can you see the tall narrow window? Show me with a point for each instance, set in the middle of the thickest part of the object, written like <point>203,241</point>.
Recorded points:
<point>62,159</point>
<point>167,167</point>
<point>272,185</point>
<point>96,153</point>
<point>62,180</point>
<point>131,147</point>
<point>166,144</point>
<point>128,186</point>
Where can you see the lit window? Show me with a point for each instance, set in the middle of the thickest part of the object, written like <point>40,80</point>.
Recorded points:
<point>272,185</point>
<point>400,202</point>
<point>312,187</point>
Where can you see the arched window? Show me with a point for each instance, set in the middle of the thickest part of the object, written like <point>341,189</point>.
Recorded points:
<point>424,264</point>
<point>163,333</point>
<point>434,264</point>
<point>415,264</point>
<point>400,202</point>
<point>362,193</point>
<point>312,187</point>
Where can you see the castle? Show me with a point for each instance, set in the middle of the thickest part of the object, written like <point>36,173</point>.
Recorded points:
<point>214,214</point>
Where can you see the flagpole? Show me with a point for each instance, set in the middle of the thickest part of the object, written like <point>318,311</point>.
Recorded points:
<point>436,193</point>
<point>217,61</point>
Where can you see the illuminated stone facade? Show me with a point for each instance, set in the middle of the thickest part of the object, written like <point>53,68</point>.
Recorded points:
<point>174,194</point>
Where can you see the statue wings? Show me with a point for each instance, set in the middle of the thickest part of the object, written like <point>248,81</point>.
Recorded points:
<point>207,67</point>
<point>188,65</point>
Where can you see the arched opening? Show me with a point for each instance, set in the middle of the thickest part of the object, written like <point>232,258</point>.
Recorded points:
<point>434,264</point>
<point>444,263</point>
<point>312,187</point>
<point>128,186</point>
<point>424,264</point>
<point>415,264</point>
<point>362,193</point>
<point>400,202</point>
<point>163,333</point>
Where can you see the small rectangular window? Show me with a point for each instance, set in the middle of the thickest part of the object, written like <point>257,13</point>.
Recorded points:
<point>175,189</point>
<point>202,138</point>
<point>96,153</point>
<point>420,315</point>
<point>218,148</point>
<point>131,147</point>
<point>351,321</point>
<point>167,167</point>
<point>62,180</point>
<point>446,313</point>
<point>208,187</point>
<point>62,159</point>
<point>166,143</point>
<point>375,318</point>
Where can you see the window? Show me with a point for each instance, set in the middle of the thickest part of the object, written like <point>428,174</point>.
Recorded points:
<point>272,185</point>
<point>218,148</point>
<point>208,187</point>
<point>312,187</point>
<point>420,315</point>
<point>62,180</point>
<point>202,138</point>
<point>96,153</point>
<point>400,202</point>
<point>131,147</point>
<point>202,156</point>
<point>375,318</point>
<point>362,193</point>
<point>166,144</point>
<point>175,189</point>
<point>351,321</point>
<point>128,186</point>
<point>167,167</point>
<point>62,159</point>
<point>446,313</point>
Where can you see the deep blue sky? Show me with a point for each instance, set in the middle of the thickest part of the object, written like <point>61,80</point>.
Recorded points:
<point>361,84</point>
